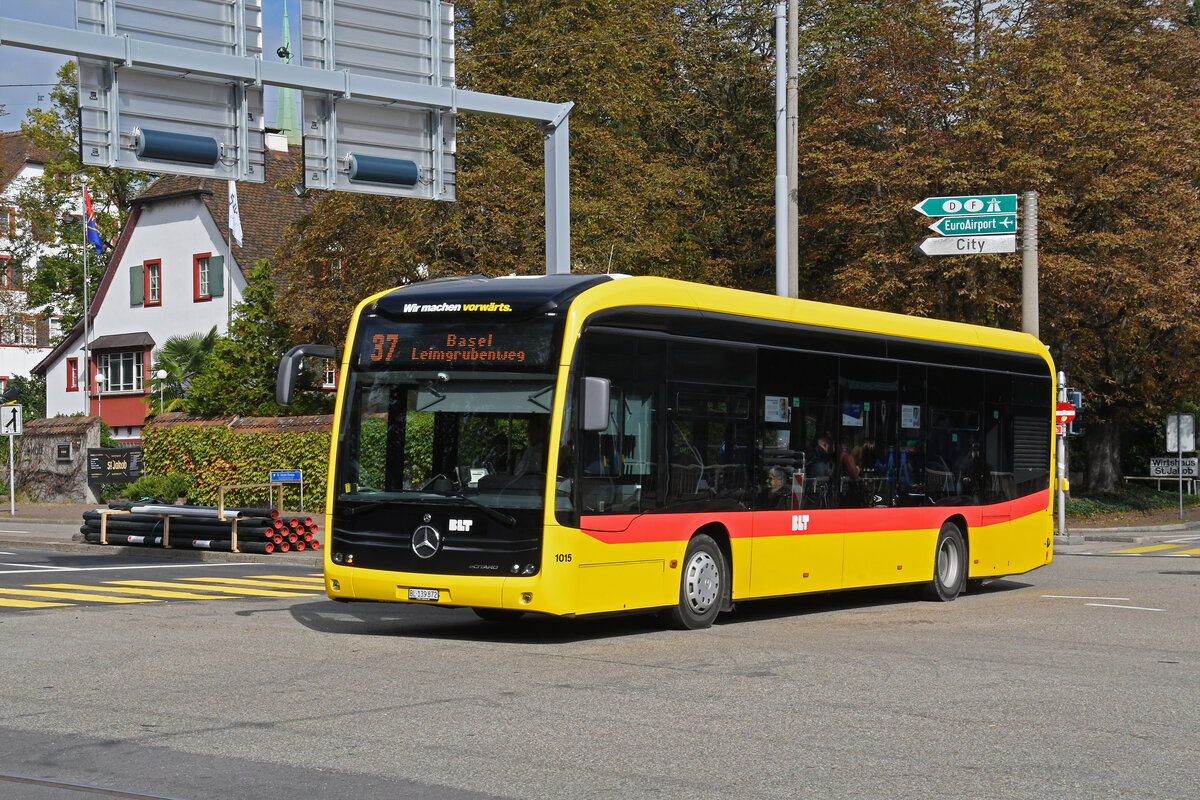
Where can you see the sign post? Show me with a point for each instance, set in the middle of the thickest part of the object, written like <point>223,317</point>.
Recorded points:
<point>278,477</point>
<point>10,425</point>
<point>1181,437</point>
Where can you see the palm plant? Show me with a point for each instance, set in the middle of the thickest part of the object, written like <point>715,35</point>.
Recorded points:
<point>181,357</point>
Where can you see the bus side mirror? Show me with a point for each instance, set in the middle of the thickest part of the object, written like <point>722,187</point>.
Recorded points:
<point>289,368</point>
<point>595,404</point>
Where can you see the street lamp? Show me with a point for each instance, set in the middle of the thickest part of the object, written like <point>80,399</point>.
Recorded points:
<point>100,395</point>
<point>162,383</point>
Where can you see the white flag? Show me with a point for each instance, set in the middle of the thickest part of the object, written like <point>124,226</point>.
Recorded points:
<point>235,217</point>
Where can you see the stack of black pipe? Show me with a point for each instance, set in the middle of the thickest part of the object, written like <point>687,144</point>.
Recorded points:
<point>260,530</point>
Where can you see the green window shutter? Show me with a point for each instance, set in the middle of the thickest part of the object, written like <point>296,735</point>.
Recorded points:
<point>216,276</point>
<point>137,286</point>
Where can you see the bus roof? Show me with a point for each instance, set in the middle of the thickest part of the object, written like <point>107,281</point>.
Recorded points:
<point>587,294</point>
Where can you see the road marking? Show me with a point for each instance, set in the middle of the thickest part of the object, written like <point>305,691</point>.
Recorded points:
<point>1195,552</point>
<point>1080,597</point>
<point>36,567</point>
<point>1150,548</point>
<point>50,595</point>
<point>314,579</point>
<point>56,595</point>
<point>164,594</point>
<point>6,602</point>
<point>1131,608</point>
<point>30,569</point>
<point>226,589</point>
<point>262,584</point>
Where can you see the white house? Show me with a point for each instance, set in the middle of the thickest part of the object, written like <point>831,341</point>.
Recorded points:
<point>170,274</point>
<point>25,337</point>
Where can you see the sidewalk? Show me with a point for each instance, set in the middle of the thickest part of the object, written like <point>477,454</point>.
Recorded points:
<point>56,526</point>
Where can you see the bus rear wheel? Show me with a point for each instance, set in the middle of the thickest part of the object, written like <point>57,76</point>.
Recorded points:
<point>949,565</point>
<point>702,586</point>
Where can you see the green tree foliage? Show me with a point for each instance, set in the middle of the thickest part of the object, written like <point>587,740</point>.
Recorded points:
<point>670,138</point>
<point>31,395</point>
<point>58,282</point>
<point>239,375</point>
<point>1091,104</point>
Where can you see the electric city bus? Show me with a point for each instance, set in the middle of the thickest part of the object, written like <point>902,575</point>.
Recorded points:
<point>587,444</point>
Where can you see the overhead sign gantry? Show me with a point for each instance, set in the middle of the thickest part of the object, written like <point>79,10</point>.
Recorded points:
<point>176,86</point>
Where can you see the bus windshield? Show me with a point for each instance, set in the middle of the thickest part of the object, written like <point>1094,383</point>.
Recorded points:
<point>430,437</point>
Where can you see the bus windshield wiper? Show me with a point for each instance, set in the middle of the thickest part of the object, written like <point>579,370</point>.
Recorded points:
<point>495,514</point>
<point>498,516</point>
<point>351,511</point>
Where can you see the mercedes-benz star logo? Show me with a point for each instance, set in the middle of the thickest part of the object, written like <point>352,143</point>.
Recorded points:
<point>426,541</point>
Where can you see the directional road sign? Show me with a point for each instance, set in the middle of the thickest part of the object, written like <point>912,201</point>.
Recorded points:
<point>975,224</point>
<point>10,420</point>
<point>967,204</point>
<point>968,245</point>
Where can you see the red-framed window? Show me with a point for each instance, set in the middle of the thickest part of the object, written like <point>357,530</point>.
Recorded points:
<point>201,277</point>
<point>208,277</point>
<point>122,371</point>
<point>72,374</point>
<point>10,273</point>
<point>152,288</point>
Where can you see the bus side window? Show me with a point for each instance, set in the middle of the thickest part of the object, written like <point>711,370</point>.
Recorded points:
<point>617,466</point>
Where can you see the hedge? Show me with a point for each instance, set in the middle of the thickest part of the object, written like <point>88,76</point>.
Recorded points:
<point>215,455</point>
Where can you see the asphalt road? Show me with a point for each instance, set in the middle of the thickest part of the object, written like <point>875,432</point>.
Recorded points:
<point>1078,680</point>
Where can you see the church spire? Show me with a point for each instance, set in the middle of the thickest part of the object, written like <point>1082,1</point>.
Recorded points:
<point>286,118</point>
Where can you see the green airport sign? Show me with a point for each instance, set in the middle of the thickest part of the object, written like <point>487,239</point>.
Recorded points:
<point>975,224</point>
<point>967,204</point>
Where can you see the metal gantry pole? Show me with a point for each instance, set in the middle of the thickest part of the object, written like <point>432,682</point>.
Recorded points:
<point>1029,265</point>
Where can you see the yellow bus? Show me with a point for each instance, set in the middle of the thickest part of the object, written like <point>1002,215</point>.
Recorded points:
<point>588,444</point>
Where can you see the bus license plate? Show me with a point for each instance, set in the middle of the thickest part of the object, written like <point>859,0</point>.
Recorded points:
<point>423,594</point>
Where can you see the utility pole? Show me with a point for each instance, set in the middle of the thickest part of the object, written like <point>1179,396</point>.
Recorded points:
<point>782,234</point>
<point>793,146</point>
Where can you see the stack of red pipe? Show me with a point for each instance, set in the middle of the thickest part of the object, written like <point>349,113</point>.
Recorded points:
<point>292,534</point>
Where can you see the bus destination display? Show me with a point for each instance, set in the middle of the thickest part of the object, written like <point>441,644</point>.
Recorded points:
<point>455,348</point>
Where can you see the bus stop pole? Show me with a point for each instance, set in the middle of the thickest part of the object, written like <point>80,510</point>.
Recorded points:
<point>1061,460</point>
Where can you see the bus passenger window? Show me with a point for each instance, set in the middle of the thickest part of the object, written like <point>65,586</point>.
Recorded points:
<point>616,467</point>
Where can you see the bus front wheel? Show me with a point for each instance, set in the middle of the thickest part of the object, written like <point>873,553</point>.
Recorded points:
<point>702,586</point>
<point>949,565</point>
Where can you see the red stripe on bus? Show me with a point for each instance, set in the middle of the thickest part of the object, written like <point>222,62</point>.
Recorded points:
<point>645,528</point>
